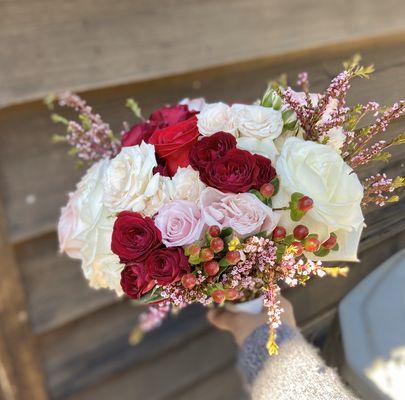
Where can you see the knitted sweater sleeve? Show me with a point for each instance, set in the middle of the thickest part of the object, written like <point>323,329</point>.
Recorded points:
<point>297,372</point>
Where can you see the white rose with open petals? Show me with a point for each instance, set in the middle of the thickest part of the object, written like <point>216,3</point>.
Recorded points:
<point>82,210</point>
<point>100,266</point>
<point>187,184</point>
<point>242,212</point>
<point>257,122</point>
<point>335,138</point>
<point>319,172</point>
<point>163,194</point>
<point>180,222</point>
<point>129,180</point>
<point>216,117</point>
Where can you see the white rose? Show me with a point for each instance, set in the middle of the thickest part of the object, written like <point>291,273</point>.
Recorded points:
<point>194,104</point>
<point>163,194</point>
<point>257,121</point>
<point>187,184</point>
<point>335,138</point>
<point>129,179</point>
<point>319,172</point>
<point>216,117</point>
<point>100,266</point>
<point>82,211</point>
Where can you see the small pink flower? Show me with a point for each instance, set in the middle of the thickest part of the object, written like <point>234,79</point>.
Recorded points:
<point>243,212</point>
<point>180,223</point>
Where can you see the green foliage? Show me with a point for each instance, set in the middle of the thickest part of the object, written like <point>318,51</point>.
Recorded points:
<point>384,156</point>
<point>150,297</point>
<point>58,119</point>
<point>295,213</point>
<point>134,107</point>
<point>49,101</point>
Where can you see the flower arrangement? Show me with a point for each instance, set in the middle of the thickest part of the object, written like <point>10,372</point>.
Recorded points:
<point>217,203</point>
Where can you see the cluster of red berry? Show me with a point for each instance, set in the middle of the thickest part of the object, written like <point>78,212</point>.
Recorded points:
<point>211,258</point>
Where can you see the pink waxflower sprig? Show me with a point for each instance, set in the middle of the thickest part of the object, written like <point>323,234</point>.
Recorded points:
<point>91,138</point>
<point>379,189</point>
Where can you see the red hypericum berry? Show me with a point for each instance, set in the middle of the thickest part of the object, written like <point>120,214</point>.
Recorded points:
<point>216,244</point>
<point>232,257</point>
<point>231,294</point>
<point>211,268</point>
<point>218,296</point>
<point>330,243</point>
<point>305,203</point>
<point>267,190</point>
<point>300,232</point>
<point>214,231</point>
<point>298,247</point>
<point>206,254</point>
<point>279,233</point>
<point>188,281</point>
<point>194,250</point>
<point>311,244</point>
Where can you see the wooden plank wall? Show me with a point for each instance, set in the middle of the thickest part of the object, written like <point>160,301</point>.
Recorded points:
<point>74,339</point>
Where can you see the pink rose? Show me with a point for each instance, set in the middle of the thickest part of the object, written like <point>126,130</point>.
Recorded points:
<point>242,212</point>
<point>70,226</point>
<point>180,222</point>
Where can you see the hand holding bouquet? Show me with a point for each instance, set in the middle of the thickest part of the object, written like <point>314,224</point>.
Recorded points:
<point>216,203</point>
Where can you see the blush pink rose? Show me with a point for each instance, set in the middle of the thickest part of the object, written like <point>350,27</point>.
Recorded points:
<point>180,222</point>
<point>242,212</point>
<point>70,226</point>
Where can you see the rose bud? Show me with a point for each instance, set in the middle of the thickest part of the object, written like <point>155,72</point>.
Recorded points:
<point>305,203</point>
<point>214,231</point>
<point>298,248</point>
<point>279,233</point>
<point>300,232</point>
<point>331,242</point>
<point>267,190</point>
<point>206,254</point>
<point>231,294</point>
<point>188,281</point>
<point>311,244</point>
<point>211,268</point>
<point>232,257</point>
<point>216,244</point>
<point>218,296</point>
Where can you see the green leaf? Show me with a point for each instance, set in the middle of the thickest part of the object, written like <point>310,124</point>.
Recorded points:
<point>226,232</point>
<point>58,119</point>
<point>150,297</point>
<point>384,156</point>
<point>295,213</point>
<point>49,101</point>
<point>322,252</point>
<point>400,139</point>
<point>223,262</point>
<point>257,194</point>
<point>59,139</point>
<point>134,107</point>
<point>336,247</point>
<point>276,183</point>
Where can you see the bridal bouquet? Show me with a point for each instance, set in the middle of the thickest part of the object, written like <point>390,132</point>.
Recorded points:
<point>215,203</point>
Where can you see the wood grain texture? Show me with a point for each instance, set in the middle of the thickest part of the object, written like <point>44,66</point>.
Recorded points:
<point>85,359</point>
<point>177,370</point>
<point>55,44</point>
<point>20,371</point>
<point>32,199</point>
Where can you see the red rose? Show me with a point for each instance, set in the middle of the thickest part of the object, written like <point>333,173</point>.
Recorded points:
<point>236,172</point>
<point>266,171</point>
<point>210,148</point>
<point>170,115</point>
<point>134,237</point>
<point>167,265</point>
<point>137,133</point>
<point>135,280</point>
<point>174,143</point>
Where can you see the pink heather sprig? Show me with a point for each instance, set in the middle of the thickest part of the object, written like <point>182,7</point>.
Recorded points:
<point>272,304</point>
<point>153,317</point>
<point>93,139</point>
<point>378,189</point>
<point>359,153</point>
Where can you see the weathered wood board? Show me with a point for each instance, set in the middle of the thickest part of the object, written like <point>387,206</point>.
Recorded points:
<point>57,44</point>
